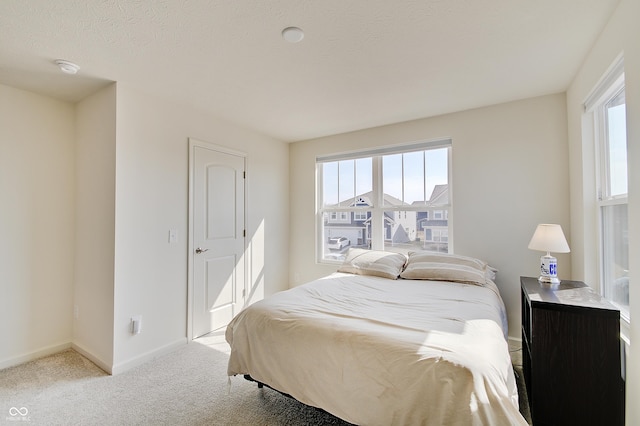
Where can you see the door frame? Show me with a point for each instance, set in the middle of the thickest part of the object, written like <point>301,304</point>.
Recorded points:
<point>193,143</point>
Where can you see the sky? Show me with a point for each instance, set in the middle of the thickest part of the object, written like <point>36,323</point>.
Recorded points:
<point>404,176</point>
<point>617,127</point>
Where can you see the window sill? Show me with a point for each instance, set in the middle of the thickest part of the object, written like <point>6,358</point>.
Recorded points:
<point>625,330</point>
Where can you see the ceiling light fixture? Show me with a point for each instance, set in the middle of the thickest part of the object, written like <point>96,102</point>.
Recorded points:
<point>67,67</point>
<point>292,34</point>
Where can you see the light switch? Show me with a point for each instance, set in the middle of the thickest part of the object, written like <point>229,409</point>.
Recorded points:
<point>136,324</point>
<point>173,235</point>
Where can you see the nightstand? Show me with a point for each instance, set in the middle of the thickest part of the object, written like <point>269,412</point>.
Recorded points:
<point>571,355</point>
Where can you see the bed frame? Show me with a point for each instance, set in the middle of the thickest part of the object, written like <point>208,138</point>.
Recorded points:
<point>263,385</point>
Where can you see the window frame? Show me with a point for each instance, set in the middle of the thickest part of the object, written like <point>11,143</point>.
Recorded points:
<point>379,207</point>
<point>611,86</point>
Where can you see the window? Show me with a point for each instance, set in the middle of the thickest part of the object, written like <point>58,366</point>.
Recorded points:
<point>394,199</point>
<point>338,217</point>
<point>608,107</point>
<point>360,216</point>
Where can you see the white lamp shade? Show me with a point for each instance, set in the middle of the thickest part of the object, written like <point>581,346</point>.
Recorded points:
<point>550,238</point>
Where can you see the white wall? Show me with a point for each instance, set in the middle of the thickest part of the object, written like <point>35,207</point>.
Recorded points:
<point>152,197</point>
<point>36,224</point>
<point>509,174</point>
<point>95,225</point>
<point>104,224</point>
<point>620,35</point>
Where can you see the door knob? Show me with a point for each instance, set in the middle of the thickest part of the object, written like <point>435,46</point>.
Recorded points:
<point>199,250</point>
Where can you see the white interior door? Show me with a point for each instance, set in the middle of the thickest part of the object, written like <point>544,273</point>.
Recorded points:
<point>218,238</point>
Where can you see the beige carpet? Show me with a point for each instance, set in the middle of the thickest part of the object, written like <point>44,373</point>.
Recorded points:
<point>186,387</point>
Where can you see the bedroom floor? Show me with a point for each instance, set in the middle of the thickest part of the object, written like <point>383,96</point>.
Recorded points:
<point>188,386</point>
<point>515,350</point>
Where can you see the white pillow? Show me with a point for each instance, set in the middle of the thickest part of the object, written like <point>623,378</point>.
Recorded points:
<point>372,262</point>
<point>444,272</point>
<point>454,259</point>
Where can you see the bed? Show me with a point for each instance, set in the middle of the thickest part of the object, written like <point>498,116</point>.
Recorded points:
<point>386,340</point>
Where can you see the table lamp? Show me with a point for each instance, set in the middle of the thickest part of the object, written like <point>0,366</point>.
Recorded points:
<point>549,238</point>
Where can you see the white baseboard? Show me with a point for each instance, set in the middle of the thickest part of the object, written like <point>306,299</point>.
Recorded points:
<point>109,369</point>
<point>515,340</point>
<point>21,359</point>
<point>87,354</point>
<point>148,356</point>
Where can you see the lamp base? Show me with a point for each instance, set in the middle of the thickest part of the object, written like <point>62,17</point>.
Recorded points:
<point>548,281</point>
<point>548,271</point>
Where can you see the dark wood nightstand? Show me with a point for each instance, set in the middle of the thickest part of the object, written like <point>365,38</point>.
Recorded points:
<point>571,355</point>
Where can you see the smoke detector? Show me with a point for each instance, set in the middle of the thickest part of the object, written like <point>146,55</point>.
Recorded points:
<point>292,34</point>
<point>67,67</point>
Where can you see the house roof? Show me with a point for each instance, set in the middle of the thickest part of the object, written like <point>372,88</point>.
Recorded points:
<point>439,196</point>
<point>361,64</point>
<point>366,199</point>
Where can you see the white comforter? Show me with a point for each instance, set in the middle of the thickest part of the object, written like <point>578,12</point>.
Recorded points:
<point>375,351</point>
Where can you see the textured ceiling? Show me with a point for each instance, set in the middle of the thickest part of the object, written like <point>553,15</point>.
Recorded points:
<point>362,63</point>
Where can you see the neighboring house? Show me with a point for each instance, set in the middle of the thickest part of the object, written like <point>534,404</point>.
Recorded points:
<point>429,226</point>
<point>433,222</point>
<point>354,225</point>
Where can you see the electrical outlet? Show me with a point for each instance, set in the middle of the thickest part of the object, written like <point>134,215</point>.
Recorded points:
<point>173,235</point>
<point>76,312</point>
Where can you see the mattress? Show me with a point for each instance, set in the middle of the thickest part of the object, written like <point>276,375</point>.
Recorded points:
<point>378,351</point>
